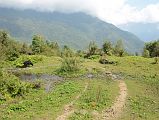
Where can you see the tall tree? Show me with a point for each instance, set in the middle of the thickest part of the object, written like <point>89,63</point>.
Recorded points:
<point>119,48</point>
<point>153,48</point>
<point>107,47</point>
<point>38,44</point>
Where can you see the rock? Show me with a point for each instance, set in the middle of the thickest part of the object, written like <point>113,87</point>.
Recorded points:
<point>108,72</point>
<point>90,75</point>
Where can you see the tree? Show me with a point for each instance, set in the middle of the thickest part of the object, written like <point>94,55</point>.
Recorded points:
<point>136,54</point>
<point>153,48</point>
<point>156,60</point>
<point>145,53</point>
<point>92,48</point>
<point>54,48</point>
<point>38,44</point>
<point>2,53</point>
<point>4,37</point>
<point>119,48</point>
<point>155,53</point>
<point>25,49</point>
<point>107,47</point>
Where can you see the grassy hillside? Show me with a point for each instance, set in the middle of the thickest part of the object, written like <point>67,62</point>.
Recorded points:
<point>140,75</point>
<point>75,30</point>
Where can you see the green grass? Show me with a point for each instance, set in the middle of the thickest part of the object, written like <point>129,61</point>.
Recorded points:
<point>141,76</point>
<point>142,103</point>
<point>48,65</point>
<point>40,104</point>
<point>142,79</point>
<point>78,115</point>
<point>100,95</point>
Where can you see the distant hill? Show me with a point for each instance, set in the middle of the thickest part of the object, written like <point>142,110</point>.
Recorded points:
<point>145,31</point>
<point>75,30</point>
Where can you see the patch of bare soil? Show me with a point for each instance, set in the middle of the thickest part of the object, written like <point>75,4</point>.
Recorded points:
<point>115,111</point>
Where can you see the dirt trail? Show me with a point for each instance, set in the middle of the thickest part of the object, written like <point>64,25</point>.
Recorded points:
<point>69,108</point>
<point>115,111</point>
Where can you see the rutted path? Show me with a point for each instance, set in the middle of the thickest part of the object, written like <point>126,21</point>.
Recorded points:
<point>116,110</point>
<point>68,109</point>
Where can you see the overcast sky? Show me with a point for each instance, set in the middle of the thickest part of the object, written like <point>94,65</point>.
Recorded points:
<point>114,11</point>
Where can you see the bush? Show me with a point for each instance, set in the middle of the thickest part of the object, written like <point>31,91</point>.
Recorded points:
<point>156,60</point>
<point>37,84</point>
<point>69,64</point>
<point>12,86</point>
<point>33,58</point>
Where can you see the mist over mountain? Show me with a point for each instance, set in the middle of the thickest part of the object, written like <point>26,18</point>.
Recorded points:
<point>75,30</point>
<point>145,31</point>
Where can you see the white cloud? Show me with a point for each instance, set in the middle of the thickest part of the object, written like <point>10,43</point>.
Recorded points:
<point>113,11</point>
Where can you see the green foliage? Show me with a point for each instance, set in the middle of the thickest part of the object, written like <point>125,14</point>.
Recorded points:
<point>67,52</point>
<point>80,53</point>
<point>33,58</point>
<point>51,49</point>
<point>69,65</point>
<point>99,95</point>
<point>45,103</point>
<point>38,44</point>
<point>4,38</point>
<point>2,53</point>
<point>10,50</point>
<point>25,49</point>
<point>75,30</point>
<point>92,48</point>
<point>146,53</point>
<point>140,75</point>
<point>81,116</point>
<point>138,105</point>
<point>119,48</point>
<point>41,46</point>
<point>107,47</point>
<point>12,86</point>
<point>153,48</point>
<point>156,60</point>
<point>13,52</point>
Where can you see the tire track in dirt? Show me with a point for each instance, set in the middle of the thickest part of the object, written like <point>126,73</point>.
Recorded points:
<point>69,108</point>
<point>115,111</point>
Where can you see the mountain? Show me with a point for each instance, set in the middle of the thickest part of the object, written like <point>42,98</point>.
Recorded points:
<point>75,30</point>
<point>145,31</point>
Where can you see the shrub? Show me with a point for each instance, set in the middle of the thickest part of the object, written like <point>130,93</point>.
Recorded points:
<point>69,64</point>
<point>33,58</point>
<point>67,52</point>
<point>12,86</point>
<point>156,60</point>
<point>37,84</point>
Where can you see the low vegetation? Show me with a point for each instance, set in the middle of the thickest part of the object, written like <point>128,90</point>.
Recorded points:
<point>21,99</point>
